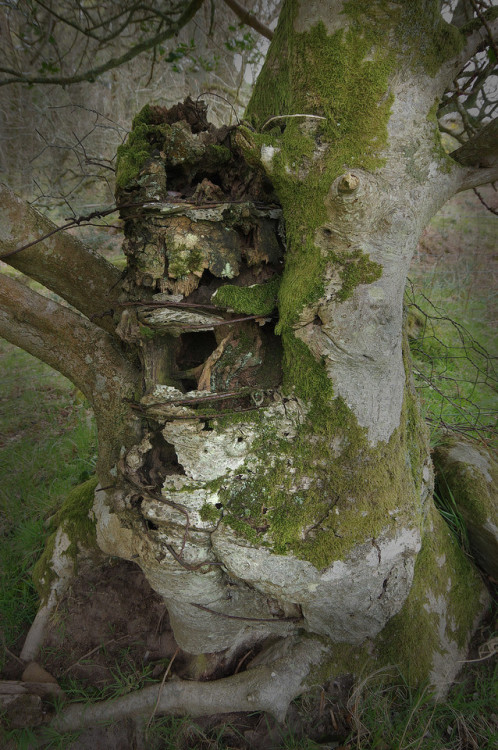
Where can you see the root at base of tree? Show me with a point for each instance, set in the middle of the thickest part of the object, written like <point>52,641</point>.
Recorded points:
<point>269,688</point>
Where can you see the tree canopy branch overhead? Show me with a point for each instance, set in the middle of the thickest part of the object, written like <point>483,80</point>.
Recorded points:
<point>49,70</point>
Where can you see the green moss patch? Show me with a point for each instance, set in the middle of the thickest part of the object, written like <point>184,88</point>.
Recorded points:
<point>258,299</point>
<point>357,268</point>
<point>132,155</point>
<point>143,138</point>
<point>423,38</point>
<point>444,573</point>
<point>73,518</point>
<point>73,514</point>
<point>209,513</point>
<point>325,491</point>
<point>338,77</point>
<point>183,260</point>
<point>329,76</point>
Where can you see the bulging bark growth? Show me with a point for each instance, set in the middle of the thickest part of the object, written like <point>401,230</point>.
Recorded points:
<point>271,472</point>
<point>268,508</point>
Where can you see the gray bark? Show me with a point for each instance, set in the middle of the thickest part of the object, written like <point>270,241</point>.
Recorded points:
<point>303,504</point>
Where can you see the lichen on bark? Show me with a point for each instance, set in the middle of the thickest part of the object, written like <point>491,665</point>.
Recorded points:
<point>286,486</point>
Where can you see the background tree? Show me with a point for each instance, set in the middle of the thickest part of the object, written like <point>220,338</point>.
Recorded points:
<point>261,452</point>
<point>58,140</point>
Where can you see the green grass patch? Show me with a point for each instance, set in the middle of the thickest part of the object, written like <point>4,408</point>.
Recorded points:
<point>387,713</point>
<point>48,445</point>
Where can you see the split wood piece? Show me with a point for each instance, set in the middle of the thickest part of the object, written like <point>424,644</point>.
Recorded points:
<point>175,321</point>
<point>34,672</point>
<point>204,383</point>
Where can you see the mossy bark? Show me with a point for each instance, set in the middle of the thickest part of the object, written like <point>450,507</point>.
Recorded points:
<point>281,480</point>
<point>467,483</point>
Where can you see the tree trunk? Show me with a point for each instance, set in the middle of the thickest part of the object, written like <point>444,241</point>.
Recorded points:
<point>282,482</point>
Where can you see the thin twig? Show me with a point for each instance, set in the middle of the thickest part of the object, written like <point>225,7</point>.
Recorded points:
<point>249,19</point>
<point>485,204</point>
<point>70,223</point>
<point>212,93</point>
<point>246,619</point>
<point>237,669</point>
<point>97,648</point>
<point>161,689</point>
<point>13,656</point>
<point>285,117</point>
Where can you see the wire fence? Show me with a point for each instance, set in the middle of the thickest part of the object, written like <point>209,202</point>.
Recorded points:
<point>455,375</point>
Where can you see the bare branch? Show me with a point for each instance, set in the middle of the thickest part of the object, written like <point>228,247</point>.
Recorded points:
<point>461,13</point>
<point>14,76</point>
<point>485,203</point>
<point>480,153</point>
<point>481,150</point>
<point>249,19</point>
<point>485,21</point>
<point>66,341</point>
<point>476,177</point>
<point>480,37</point>
<point>59,261</point>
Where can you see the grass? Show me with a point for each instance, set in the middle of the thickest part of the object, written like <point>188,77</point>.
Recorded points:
<point>446,505</point>
<point>48,445</point>
<point>389,716</point>
<point>47,738</point>
<point>125,677</point>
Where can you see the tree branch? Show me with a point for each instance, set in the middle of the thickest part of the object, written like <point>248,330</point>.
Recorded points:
<point>264,688</point>
<point>249,19</point>
<point>480,154</point>
<point>60,262</point>
<point>473,178</point>
<point>67,342</point>
<point>481,150</point>
<point>477,38</point>
<point>462,13</point>
<point>93,73</point>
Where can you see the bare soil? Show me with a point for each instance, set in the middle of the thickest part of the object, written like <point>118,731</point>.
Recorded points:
<point>111,635</point>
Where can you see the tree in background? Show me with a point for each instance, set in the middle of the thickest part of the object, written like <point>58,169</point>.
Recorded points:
<point>88,69</point>
<point>262,456</point>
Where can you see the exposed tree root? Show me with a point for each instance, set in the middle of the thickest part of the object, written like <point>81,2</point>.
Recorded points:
<point>36,633</point>
<point>63,570</point>
<point>60,570</point>
<point>268,688</point>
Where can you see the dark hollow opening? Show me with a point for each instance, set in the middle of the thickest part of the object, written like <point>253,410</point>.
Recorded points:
<point>161,461</point>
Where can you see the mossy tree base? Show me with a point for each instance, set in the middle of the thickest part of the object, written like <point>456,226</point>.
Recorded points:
<point>279,483</point>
